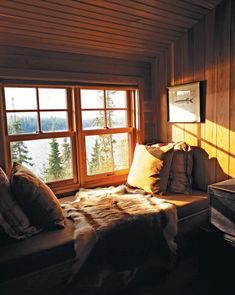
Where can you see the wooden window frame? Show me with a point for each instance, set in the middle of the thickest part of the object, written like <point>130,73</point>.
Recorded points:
<point>114,177</point>
<point>75,132</point>
<point>58,184</point>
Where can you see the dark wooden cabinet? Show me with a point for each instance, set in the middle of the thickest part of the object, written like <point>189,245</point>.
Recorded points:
<point>222,207</point>
<point>217,241</point>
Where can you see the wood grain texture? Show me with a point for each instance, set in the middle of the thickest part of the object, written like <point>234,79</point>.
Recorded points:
<point>232,97</point>
<point>190,130</point>
<point>206,53</point>
<point>137,29</point>
<point>177,55</point>
<point>222,59</point>
<point>209,140</point>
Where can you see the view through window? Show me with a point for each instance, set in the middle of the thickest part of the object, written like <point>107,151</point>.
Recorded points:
<point>63,136</point>
<point>105,113</point>
<point>35,119</point>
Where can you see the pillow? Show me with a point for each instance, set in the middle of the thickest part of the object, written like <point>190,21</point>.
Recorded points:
<point>145,169</point>
<point>13,222</point>
<point>36,198</point>
<point>167,158</point>
<point>180,179</point>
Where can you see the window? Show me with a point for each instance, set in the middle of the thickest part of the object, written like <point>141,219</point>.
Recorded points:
<point>38,130</point>
<point>66,134</point>
<point>107,133</point>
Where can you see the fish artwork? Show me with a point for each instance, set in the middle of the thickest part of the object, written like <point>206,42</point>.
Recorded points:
<point>187,100</point>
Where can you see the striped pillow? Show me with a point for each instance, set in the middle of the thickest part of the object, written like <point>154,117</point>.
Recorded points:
<point>13,221</point>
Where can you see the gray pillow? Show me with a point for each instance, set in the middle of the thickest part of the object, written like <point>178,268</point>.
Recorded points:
<point>36,198</point>
<point>167,156</point>
<point>180,180</point>
<point>13,221</point>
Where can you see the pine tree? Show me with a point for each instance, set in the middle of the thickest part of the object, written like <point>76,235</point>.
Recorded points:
<point>94,164</point>
<point>19,151</point>
<point>102,157</point>
<point>54,170</point>
<point>66,158</point>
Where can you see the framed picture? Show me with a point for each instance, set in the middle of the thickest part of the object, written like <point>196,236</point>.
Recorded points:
<point>184,103</point>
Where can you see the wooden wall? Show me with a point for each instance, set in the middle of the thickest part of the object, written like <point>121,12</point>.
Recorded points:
<point>26,63</point>
<point>206,52</point>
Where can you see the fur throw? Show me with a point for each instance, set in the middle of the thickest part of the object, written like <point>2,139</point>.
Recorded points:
<point>118,231</point>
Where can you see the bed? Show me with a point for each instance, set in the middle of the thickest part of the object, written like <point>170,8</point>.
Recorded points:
<point>28,262</point>
<point>43,263</point>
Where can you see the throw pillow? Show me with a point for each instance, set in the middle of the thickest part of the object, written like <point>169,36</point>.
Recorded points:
<point>180,179</point>
<point>36,198</point>
<point>13,221</point>
<point>145,168</point>
<point>167,156</point>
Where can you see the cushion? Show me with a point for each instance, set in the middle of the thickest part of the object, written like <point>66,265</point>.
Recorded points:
<point>167,158</point>
<point>13,222</point>
<point>36,198</point>
<point>180,179</point>
<point>145,169</point>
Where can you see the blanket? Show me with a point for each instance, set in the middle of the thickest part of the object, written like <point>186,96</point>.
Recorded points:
<point>117,232</point>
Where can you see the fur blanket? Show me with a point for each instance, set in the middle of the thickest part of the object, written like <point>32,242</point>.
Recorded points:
<point>117,232</point>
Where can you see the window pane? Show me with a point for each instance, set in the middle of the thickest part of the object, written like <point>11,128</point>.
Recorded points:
<point>107,153</point>
<point>50,159</point>
<point>92,120</point>
<point>116,119</point>
<point>115,99</point>
<point>50,98</point>
<point>92,99</point>
<point>20,98</point>
<point>54,121</point>
<point>19,123</point>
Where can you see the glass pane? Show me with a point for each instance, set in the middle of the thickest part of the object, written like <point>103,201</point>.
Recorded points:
<point>54,121</point>
<point>115,99</point>
<point>50,159</point>
<point>92,120</point>
<point>50,98</point>
<point>107,153</point>
<point>92,99</point>
<point>19,123</point>
<point>116,119</point>
<point>20,98</point>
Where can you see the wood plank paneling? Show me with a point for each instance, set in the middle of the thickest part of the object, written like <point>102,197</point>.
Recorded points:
<point>188,76</point>
<point>199,70</point>
<point>232,96</point>
<point>204,54</point>
<point>128,29</point>
<point>222,59</point>
<point>209,139</point>
<point>177,56</point>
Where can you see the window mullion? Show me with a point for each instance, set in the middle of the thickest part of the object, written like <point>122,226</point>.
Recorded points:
<point>105,112</point>
<point>38,112</point>
<point>43,135</point>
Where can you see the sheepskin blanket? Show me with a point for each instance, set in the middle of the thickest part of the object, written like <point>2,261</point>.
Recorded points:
<point>117,231</point>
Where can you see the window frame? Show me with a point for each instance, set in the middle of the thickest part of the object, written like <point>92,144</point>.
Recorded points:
<point>135,131</point>
<point>39,134</point>
<point>114,177</point>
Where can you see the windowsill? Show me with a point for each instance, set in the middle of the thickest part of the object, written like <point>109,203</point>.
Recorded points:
<point>62,191</point>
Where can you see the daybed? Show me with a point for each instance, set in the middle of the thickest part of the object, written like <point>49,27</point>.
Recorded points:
<point>42,263</point>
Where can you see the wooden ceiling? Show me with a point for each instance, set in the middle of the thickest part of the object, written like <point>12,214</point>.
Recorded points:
<point>136,29</point>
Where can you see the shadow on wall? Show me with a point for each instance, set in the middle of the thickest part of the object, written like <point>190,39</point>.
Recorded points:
<point>202,167</point>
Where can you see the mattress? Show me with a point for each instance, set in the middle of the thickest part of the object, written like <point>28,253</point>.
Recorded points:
<point>192,210</point>
<point>53,247</point>
<point>40,251</point>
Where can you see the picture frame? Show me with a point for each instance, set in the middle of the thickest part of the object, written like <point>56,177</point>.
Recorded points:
<point>184,103</point>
